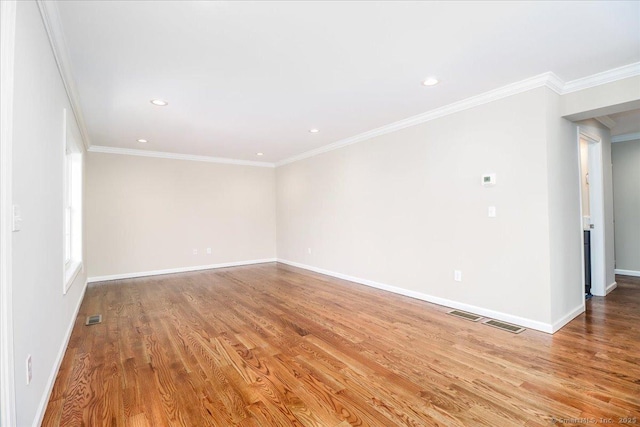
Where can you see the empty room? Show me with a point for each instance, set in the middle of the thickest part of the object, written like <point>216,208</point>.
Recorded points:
<point>319,213</point>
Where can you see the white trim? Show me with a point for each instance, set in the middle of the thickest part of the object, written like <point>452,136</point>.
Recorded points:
<point>176,156</point>
<point>177,270</point>
<point>627,272</point>
<point>611,287</point>
<point>583,274</point>
<point>53,25</point>
<point>626,137</point>
<point>72,198</point>
<point>54,372</point>
<point>7,50</point>
<point>568,317</point>
<point>587,135</point>
<point>555,83</point>
<point>65,194</point>
<point>596,200</point>
<point>607,121</point>
<point>615,74</point>
<point>55,33</point>
<point>516,320</point>
<point>70,274</point>
<point>549,80</point>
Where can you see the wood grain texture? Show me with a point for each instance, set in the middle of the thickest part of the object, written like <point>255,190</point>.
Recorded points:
<point>272,345</point>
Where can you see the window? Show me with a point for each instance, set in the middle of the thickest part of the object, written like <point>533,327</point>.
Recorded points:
<point>72,203</point>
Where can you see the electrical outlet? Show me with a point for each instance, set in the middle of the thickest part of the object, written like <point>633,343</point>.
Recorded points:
<point>309,250</point>
<point>208,251</point>
<point>457,275</point>
<point>195,252</point>
<point>29,370</point>
<point>491,212</point>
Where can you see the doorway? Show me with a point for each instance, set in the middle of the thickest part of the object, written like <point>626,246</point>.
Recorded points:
<point>592,212</point>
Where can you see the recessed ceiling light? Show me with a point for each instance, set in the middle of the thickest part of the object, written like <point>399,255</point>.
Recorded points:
<point>159,102</point>
<point>430,81</point>
<point>142,140</point>
<point>314,130</point>
<point>259,154</point>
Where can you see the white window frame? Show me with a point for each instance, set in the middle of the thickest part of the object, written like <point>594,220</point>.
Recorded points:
<point>72,205</point>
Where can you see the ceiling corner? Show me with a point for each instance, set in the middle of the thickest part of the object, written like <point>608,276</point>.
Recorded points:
<point>554,82</point>
<point>53,26</point>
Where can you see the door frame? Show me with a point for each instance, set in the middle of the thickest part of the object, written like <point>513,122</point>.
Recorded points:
<point>596,207</point>
<point>7,47</point>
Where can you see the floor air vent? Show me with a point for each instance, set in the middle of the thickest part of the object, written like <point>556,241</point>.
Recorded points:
<point>94,320</point>
<point>466,316</point>
<point>504,326</point>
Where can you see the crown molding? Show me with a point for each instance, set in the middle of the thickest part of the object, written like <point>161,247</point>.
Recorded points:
<point>608,76</point>
<point>626,137</point>
<point>176,156</point>
<point>53,26</point>
<point>555,83</point>
<point>52,23</point>
<point>549,80</point>
<point>607,121</point>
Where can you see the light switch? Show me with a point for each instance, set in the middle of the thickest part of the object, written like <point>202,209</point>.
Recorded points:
<point>17,219</point>
<point>491,211</point>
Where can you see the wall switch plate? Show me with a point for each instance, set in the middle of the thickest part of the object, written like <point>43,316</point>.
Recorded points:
<point>29,370</point>
<point>457,275</point>
<point>491,211</point>
<point>309,250</point>
<point>208,251</point>
<point>195,252</point>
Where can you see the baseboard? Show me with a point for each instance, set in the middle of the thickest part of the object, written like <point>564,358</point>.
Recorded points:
<point>610,288</point>
<point>505,317</point>
<point>54,373</point>
<point>567,318</point>
<point>177,270</point>
<point>627,272</point>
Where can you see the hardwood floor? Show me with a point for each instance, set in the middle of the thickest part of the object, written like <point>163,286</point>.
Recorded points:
<point>272,345</point>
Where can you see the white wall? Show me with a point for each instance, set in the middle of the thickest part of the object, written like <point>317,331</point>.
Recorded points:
<point>626,200</point>
<point>42,315</point>
<point>407,208</point>
<point>148,214</point>
<point>609,98</point>
<point>565,225</point>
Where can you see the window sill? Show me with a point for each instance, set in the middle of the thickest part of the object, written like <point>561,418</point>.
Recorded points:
<point>70,274</point>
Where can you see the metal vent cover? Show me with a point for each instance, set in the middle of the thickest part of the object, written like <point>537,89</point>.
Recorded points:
<point>504,326</point>
<point>465,315</point>
<point>93,320</point>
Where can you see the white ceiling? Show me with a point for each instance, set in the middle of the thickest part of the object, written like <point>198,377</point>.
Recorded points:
<point>248,77</point>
